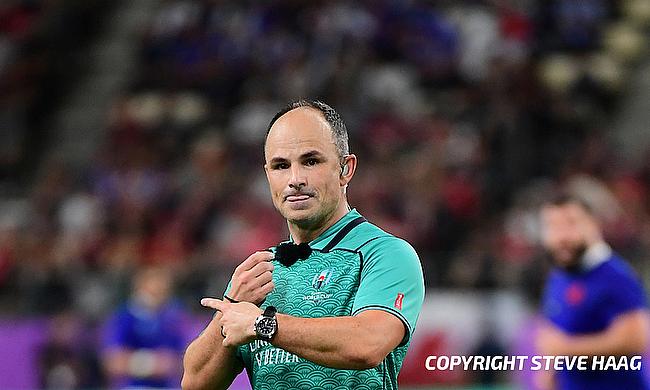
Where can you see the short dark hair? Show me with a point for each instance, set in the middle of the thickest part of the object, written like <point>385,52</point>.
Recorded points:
<point>339,130</point>
<point>564,199</point>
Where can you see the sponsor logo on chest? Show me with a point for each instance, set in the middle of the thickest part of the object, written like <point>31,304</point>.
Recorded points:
<point>321,279</point>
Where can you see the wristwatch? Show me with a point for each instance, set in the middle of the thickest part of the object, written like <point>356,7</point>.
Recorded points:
<point>266,325</point>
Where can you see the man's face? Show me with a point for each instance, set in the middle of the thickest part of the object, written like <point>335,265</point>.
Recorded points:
<point>565,232</point>
<point>153,288</point>
<point>303,168</point>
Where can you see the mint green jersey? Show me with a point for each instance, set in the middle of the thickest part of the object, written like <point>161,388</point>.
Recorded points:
<point>368,269</point>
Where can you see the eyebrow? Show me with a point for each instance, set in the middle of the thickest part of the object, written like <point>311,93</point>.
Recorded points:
<point>311,153</point>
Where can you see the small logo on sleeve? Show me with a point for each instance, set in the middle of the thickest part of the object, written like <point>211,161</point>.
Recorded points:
<point>398,301</point>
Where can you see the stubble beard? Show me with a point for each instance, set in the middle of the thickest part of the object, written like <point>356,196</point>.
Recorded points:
<point>574,264</point>
<point>314,220</point>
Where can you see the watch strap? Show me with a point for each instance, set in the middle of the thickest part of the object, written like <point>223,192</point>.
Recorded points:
<point>270,311</point>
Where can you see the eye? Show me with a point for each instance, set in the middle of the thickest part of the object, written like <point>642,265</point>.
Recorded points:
<point>311,161</point>
<point>282,165</point>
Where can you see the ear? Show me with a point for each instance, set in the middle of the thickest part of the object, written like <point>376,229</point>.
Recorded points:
<point>266,171</point>
<point>348,169</point>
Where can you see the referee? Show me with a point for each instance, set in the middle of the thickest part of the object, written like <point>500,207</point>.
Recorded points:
<point>333,307</point>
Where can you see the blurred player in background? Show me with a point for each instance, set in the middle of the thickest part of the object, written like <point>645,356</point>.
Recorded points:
<point>144,341</point>
<point>347,296</point>
<point>594,302</point>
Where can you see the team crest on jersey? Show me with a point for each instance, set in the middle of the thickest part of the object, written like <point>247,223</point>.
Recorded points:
<point>322,278</point>
<point>575,294</point>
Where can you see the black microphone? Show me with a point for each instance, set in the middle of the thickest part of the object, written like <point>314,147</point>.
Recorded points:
<point>288,253</point>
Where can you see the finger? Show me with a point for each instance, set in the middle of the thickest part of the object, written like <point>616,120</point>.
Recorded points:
<point>228,341</point>
<point>214,303</point>
<point>260,268</point>
<point>256,277</point>
<point>267,288</point>
<point>248,278</point>
<point>254,259</point>
<point>260,293</point>
<point>264,278</point>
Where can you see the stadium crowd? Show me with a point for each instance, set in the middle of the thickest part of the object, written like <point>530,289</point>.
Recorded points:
<point>457,130</point>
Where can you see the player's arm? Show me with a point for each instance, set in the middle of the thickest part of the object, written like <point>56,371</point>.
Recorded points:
<point>352,342</point>
<point>626,335</point>
<point>142,363</point>
<point>356,342</point>
<point>207,363</point>
<point>384,313</point>
<point>385,310</point>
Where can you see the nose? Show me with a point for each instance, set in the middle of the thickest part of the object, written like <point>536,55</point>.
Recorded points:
<point>298,178</point>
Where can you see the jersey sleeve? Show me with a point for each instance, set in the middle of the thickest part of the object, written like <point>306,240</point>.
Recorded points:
<point>626,295</point>
<point>392,281</point>
<point>228,287</point>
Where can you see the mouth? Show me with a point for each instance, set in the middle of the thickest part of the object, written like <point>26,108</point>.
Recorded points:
<point>297,197</point>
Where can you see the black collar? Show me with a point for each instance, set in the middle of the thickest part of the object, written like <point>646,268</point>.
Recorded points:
<point>288,253</point>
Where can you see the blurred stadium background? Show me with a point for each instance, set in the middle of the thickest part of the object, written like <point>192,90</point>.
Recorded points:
<point>131,133</point>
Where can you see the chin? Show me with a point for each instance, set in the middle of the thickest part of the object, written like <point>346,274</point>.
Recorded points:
<point>567,261</point>
<point>567,264</point>
<point>298,215</point>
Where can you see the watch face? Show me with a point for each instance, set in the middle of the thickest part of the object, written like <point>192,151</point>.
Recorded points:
<point>266,327</point>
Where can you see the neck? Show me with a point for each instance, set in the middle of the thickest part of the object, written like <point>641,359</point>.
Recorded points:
<point>302,234</point>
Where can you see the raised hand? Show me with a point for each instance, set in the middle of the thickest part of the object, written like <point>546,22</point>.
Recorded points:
<point>252,280</point>
<point>237,320</point>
